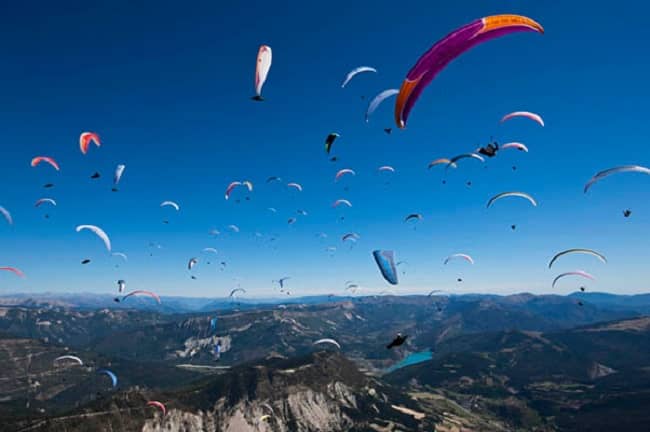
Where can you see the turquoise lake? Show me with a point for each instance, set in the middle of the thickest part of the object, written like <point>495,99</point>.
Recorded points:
<point>412,359</point>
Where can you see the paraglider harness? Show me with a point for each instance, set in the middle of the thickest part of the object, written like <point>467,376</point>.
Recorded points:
<point>489,150</point>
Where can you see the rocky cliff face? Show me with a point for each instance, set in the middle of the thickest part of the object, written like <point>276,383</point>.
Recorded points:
<point>322,391</point>
<point>304,410</point>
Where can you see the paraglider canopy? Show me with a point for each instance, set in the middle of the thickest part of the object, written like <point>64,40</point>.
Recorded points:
<point>264,59</point>
<point>441,161</point>
<point>119,170</point>
<point>158,405</point>
<point>515,145</point>
<point>354,72</point>
<point>620,169</point>
<point>151,294</point>
<point>172,204</point>
<point>110,374</point>
<point>328,341</point>
<point>512,194</point>
<point>330,140</point>
<point>413,216</point>
<point>38,159</point>
<point>351,236</point>
<point>86,138</point>
<point>465,257</point>
<point>341,201</point>
<point>236,290</point>
<point>526,114</point>
<point>343,172</point>
<point>580,273</point>
<point>98,232</point>
<point>450,47</point>
<point>5,213</point>
<point>43,201</point>
<point>377,100</point>
<point>69,357</point>
<point>385,260</point>
<point>591,252</point>
<point>296,186</point>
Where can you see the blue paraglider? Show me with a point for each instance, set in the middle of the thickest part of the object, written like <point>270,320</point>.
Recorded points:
<point>385,260</point>
<point>110,374</point>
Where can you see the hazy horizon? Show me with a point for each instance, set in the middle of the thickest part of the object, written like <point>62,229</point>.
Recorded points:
<point>274,296</point>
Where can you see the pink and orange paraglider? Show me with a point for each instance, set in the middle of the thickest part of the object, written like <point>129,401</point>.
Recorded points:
<point>38,159</point>
<point>450,47</point>
<point>13,270</point>
<point>86,138</point>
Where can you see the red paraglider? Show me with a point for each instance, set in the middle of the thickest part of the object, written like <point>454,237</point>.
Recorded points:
<point>86,138</point>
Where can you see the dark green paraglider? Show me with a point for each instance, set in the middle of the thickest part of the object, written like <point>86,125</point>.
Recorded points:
<point>330,140</point>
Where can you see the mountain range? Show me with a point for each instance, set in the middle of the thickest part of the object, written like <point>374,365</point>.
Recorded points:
<point>493,363</point>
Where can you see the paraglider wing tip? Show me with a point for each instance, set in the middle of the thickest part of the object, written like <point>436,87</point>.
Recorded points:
<point>497,22</point>
<point>538,28</point>
<point>404,100</point>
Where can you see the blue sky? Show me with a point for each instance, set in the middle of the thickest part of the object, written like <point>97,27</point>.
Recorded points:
<point>167,87</point>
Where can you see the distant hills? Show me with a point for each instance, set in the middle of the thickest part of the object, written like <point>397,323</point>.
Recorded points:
<point>363,326</point>
<point>589,378</point>
<point>639,303</point>
<point>171,304</point>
